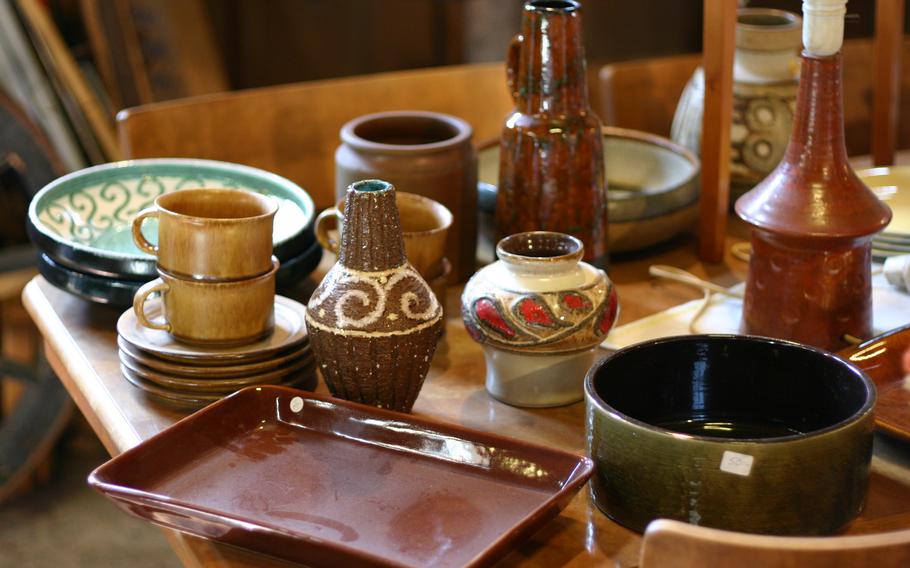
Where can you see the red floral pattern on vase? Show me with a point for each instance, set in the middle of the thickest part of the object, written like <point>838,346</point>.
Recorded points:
<point>606,321</point>
<point>533,310</point>
<point>574,302</point>
<point>488,314</point>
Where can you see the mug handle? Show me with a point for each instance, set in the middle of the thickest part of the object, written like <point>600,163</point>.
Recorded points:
<point>512,58</point>
<point>322,229</point>
<point>147,289</point>
<point>138,237</point>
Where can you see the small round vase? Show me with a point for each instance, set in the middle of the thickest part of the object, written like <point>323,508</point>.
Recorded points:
<point>765,85</point>
<point>539,313</point>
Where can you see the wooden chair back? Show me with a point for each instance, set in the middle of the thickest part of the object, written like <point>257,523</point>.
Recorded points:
<point>292,130</point>
<point>673,544</point>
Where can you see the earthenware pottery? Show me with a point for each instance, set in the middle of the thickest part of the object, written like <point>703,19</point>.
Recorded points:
<point>812,223</point>
<point>210,234</point>
<point>539,312</point>
<point>373,322</point>
<point>426,153</point>
<point>425,226</point>
<point>289,333</point>
<point>551,167</point>
<point>741,433</point>
<point>214,313</point>
<point>886,359</point>
<point>653,190</point>
<point>330,483</point>
<point>209,371</point>
<point>765,83</point>
<point>120,292</point>
<point>891,184</point>
<point>83,219</point>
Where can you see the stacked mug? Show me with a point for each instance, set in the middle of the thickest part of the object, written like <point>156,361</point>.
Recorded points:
<point>216,272</point>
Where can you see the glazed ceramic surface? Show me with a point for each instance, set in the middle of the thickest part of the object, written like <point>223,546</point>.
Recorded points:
<point>886,359</point>
<point>741,433</point>
<point>425,225</point>
<point>216,385</point>
<point>289,331</point>
<point>207,370</point>
<point>192,400</point>
<point>419,152</point>
<point>83,219</point>
<point>539,312</point>
<point>809,271</point>
<point>216,313</point>
<point>120,292</point>
<point>765,85</point>
<point>551,169</point>
<point>653,187</point>
<point>892,185</point>
<point>210,234</point>
<point>374,321</point>
<point>331,483</point>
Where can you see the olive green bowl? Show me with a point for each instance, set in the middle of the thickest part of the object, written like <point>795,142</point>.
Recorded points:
<point>733,432</point>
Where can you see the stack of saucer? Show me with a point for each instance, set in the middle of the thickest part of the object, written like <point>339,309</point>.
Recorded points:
<point>191,376</point>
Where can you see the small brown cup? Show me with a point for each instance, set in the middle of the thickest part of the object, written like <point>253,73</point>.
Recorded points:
<point>211,234</point>
<point>212,313</point>
<point>425,225</point>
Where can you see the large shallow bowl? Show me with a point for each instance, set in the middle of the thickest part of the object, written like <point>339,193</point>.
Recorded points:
<point>82,220</point>
<point>734,432</point>
<point>653,187</point>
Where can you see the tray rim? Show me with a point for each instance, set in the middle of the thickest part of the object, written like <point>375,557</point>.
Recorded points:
<point>548,508</point>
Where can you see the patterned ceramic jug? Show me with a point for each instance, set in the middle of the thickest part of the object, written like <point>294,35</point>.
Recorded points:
<point>539,313</point>
<point>373,321</point>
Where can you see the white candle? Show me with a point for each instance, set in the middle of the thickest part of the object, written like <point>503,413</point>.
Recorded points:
<point>823,26</point>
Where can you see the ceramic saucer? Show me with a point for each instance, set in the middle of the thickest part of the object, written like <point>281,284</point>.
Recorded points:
<point>305,380</point>
<point>209,371</point>
<point>290,331</point>
<point>215,385</point>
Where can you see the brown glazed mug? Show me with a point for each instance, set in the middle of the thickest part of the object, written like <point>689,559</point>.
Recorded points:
<point>211,234</point>
<point>211,313</point>
<point>425,225</point>
<point>426,153</point>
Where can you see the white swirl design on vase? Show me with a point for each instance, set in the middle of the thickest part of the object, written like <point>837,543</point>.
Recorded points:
<point>382,283</point>
<point>371,317</point>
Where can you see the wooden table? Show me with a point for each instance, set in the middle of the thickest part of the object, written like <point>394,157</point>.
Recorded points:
<point>81,346</point>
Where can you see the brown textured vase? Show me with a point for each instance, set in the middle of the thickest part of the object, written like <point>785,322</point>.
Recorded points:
<point>813,221</point>
<point>373,322</point>
<point>551,169</point>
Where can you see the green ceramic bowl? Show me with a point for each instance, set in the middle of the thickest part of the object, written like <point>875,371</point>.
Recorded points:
<point>82,220</point>
<point>653,187</point>
<point>733,432</point>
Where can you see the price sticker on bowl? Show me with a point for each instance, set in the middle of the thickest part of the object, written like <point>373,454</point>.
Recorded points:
<point>736,463</point>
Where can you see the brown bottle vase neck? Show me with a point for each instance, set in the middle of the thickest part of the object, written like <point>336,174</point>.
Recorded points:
<point>371,238</point>
<point>551,75</point>
<point>818,125</point>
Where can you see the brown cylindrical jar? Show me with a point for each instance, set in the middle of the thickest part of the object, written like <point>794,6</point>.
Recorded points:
<point>426,153</point>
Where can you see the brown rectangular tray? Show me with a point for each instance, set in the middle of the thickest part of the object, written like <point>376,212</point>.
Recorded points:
<point>327,482</point>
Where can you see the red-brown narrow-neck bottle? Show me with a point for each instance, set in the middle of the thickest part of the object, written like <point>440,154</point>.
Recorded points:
<point>551,170</point>
<point>813,220</point>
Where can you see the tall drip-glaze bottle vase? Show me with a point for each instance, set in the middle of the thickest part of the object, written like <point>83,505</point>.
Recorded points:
<point>812,218</point>
<point>373,322</point>
<point>551,170</point>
